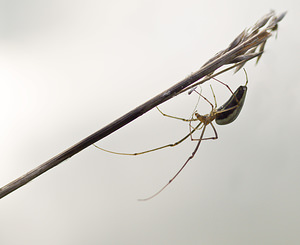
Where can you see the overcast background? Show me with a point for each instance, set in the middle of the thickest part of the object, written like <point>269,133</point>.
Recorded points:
<point>68,68</point>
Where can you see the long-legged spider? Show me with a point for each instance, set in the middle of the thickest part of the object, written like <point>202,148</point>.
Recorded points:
<point>225,114</point>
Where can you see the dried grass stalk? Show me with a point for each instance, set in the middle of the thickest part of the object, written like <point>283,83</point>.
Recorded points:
<point>241,49</point>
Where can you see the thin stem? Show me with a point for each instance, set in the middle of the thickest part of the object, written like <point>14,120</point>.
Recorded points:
<point>235,52</point>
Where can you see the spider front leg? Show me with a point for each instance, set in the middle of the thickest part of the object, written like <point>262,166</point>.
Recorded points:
<point>191,119</point>
<point>178,118</point>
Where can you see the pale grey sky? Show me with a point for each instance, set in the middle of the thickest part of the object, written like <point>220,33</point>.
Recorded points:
<point>68,68</point>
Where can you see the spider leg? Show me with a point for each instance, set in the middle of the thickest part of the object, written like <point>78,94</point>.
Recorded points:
<point>155,149</point>
<point>209,138</point>
<point>186,162</point>
<point>174,117</point>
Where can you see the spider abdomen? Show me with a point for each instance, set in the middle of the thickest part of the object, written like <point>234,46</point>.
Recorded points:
<point>230,110</point>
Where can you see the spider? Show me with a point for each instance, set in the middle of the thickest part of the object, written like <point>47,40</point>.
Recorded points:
<point>223,115</point>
